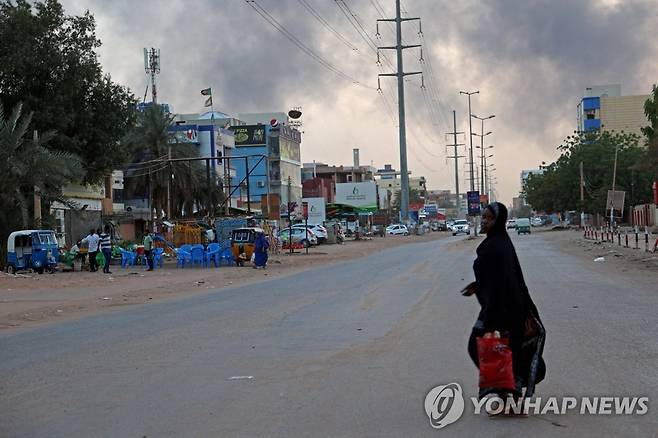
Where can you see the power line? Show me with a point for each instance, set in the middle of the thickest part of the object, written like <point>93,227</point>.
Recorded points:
<point>304,48</point>
<point>328,26</point>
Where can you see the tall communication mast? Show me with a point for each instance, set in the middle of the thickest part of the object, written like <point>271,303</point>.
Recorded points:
<point>152,67</point>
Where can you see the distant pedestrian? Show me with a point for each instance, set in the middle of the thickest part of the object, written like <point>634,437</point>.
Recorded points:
<point>148,249</point>
<point>106,248</point>
<point>505,303</point>
<point>92,240</point>
<point>261,245</point>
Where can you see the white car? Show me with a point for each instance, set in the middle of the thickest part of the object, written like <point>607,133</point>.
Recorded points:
<point>511,223</point>
<point>299,235</point>
<point>397,229</point>
<point>461,226</point>
<point>319,231</point>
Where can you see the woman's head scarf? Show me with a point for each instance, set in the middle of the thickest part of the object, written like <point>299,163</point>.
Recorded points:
<point>499,212</point>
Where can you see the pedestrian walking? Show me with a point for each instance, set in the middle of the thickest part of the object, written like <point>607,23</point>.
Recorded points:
<point>506,306</point>
<point>106,248</point>
<point>148,249</point>
<point>261,245</point>
<point>92,240</point>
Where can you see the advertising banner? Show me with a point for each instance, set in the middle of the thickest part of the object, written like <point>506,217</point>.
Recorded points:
<point>473,203</point>
<point>249,135</point>
<point>316,210</point>
<point>362,195</point>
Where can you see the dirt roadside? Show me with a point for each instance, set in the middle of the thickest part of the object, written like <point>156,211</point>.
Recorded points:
<point>627,260</point>
<point>32,299</point>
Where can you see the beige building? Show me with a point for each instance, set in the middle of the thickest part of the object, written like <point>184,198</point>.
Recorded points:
<point>623,113</point>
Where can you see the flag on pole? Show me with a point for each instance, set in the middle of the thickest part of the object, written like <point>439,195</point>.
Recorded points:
<point>206,92</point>
<point>208,102</point>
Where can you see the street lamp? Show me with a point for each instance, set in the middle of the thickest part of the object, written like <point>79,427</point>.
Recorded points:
<point>482,119</point>
<point>470,130</point>
<point>481,158</point>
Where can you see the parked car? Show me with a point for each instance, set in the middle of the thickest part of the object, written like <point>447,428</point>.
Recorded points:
<point>449,224</point>
<point>299,235</point>
<point>319,231</point>
<point>397,229</point>
<point>537,221</point>
<point>461,226</point>
<point>511,223</point>
<point>523,226</point>
<point>378,230</point>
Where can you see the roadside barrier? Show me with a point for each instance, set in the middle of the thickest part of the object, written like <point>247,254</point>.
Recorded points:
<point>607,234</point>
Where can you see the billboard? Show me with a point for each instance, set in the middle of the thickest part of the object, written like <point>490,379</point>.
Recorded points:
<point>473,203</point>
<point>362,195</point>
<point>249,135</point>
<point>316,210</point>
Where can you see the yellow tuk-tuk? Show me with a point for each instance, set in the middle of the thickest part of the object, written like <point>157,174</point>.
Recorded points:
<point>242,244</point>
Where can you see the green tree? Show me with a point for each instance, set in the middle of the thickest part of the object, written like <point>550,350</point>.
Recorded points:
<point>414,196</point>
<point>150,141</point>
<point>26,165</point>
<point>48,61</point>
<point>650,163</point>
<point>558,188</point>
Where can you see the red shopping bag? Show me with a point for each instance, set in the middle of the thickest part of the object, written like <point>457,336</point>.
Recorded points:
<point>495,360</point>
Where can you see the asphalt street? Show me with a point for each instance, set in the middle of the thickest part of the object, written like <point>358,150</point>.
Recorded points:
<point>348,350</point>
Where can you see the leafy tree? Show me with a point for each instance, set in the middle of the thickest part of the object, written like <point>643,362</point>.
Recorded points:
<point>651,133</point>
<point>26,165</point>
<point>48,61</point>
<point>149,142</point>
<point>558,188</point>
<point>414,196</point>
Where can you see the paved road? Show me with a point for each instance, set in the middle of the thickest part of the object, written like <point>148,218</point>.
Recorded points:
<point>344,351</point>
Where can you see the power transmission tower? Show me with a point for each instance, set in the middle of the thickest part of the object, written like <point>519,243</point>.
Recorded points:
<point>152,67</point>
<point>456,157</point>
<point>400,74</point>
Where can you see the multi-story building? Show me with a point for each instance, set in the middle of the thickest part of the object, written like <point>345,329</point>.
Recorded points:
<point>603,107</point>
<point>389,181</point>
<point>273,165</point>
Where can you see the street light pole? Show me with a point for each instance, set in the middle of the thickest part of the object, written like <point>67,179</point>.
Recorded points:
<point>470,131</point>
<point>482,119</point>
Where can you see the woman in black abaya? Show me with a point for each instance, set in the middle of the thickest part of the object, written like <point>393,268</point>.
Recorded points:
<point>505,303</point>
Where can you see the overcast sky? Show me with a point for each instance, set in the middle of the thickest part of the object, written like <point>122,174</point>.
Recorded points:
<point>530,60</point>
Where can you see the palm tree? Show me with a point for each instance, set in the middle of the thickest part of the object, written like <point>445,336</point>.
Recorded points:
<point>150,142</point>
<point>27,165</point>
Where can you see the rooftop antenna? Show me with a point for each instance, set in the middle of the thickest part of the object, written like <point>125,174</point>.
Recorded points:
<point>152,67</point>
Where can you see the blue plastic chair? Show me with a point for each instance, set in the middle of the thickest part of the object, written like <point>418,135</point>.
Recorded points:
<point>182,257</point>
<point>227,256</point>
<point>198,255</point>
<point>157,258</point>
<point>212,253</point>
<point>127,258</point>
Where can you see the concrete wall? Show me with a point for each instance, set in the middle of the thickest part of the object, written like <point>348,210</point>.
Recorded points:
<point>624,113</point>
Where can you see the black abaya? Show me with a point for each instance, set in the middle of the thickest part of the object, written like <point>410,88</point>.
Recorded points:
<point>506,304</point>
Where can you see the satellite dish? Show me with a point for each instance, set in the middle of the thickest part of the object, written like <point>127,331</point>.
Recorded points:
<point>294,114</point>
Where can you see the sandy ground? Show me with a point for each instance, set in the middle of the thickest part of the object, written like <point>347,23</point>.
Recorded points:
<point>32,299</point>
<point>633,261</point>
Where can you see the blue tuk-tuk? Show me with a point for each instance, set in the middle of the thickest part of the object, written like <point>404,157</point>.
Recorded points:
<point>32,249</point>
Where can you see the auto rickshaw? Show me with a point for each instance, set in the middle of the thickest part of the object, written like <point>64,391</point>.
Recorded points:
<point>32,249</point>
<point>242,244</point>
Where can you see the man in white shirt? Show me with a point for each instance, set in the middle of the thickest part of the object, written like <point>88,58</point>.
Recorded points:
<point>93,239</point>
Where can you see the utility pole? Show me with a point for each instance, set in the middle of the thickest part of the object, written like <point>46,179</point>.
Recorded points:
<point>400,74</point>
<point>152,67</point>
<point>582,196</point>
<point>612,196</point>
<point>470,136</point>
<point>290,214</point>
<point>37,192</point>
<point>171,175</point>
<point>456,157</point>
